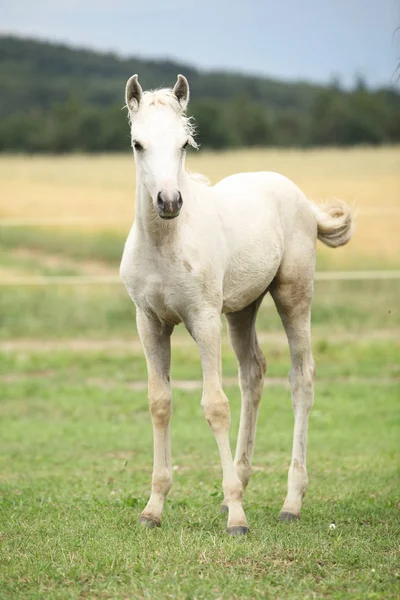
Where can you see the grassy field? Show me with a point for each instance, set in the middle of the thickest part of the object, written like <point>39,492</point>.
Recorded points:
<point>75,454</point>
<point>75,434</point>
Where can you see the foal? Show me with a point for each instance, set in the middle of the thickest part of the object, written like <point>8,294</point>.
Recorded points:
<point>196,251</point>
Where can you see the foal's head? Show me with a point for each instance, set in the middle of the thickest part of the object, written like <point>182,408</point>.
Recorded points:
<point>160,133</point>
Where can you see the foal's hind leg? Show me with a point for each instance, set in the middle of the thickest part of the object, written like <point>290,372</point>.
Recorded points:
<point>293,297</point>
<point>252,368</point>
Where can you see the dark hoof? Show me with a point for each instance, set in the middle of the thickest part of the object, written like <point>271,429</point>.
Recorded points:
<point>149,522</point>
<point>223,508</point>
<point>238,530</point>
<point>287,516</point>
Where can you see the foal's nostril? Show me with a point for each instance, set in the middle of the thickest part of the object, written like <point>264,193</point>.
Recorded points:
<point>160,201</point>
<point>169,204</point>
<point>179,201</point>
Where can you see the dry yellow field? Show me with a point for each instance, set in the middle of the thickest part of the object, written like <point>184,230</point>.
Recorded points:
<point>101,188</point>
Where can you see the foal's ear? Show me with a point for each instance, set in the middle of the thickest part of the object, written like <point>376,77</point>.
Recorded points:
<point>133,93</point>
<point>181,91</point>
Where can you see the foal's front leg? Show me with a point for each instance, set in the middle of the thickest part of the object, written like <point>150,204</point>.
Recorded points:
<point>155,338</point>
<point>206,330</point>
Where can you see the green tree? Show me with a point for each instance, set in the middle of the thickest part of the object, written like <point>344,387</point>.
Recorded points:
<point>250,123</point>
<point>213,125</point>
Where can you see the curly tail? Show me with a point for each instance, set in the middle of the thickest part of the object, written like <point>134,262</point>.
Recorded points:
<point>335,222</point>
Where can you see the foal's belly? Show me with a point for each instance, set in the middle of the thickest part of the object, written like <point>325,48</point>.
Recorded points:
<point>238,296</point>
<point>249,274</point>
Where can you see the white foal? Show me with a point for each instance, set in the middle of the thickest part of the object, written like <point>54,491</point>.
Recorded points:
<point>196,251</point>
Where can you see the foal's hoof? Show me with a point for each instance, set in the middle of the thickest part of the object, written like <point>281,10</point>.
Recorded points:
<point>238,530</point>
<point>149,522</point>
<point>223,508</point>
<point>288,516</point>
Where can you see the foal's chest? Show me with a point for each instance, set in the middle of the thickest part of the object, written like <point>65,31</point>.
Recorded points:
<point>154,285</point>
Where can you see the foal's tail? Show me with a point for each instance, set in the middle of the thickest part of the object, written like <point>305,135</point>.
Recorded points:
<point>335,222</point>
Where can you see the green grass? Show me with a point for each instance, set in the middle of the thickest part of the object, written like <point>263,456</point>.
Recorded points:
<point>106,245</point>
<point>106,310</point>
<point>363,358</point>
<point>32,265</point>
<point>76,447</point>
<point>76,461</point>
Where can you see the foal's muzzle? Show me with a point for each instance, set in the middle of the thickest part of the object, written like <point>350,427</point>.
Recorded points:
<point>169,204</point>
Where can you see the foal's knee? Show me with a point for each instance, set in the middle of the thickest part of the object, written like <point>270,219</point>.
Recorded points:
<point>160,409</point>
<point>216,410</point>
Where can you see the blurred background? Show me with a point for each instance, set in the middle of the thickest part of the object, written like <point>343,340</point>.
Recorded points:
<point>311,93</point>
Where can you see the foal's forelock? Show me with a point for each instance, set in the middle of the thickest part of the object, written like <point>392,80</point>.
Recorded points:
<point>165,98</point>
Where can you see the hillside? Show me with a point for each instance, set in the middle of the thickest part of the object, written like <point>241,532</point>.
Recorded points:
<point>57,98</point>
<point>36,74</point>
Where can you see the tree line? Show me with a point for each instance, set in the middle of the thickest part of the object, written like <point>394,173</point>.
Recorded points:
<point>49,103</point>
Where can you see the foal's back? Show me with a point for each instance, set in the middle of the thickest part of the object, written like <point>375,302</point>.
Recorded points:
<point>251,201</point>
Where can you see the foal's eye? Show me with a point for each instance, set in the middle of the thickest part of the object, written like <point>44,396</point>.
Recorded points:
<point>137,146</point>
<point>185,145</point>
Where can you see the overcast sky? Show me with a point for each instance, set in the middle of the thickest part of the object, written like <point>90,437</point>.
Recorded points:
<point>292,39</point>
